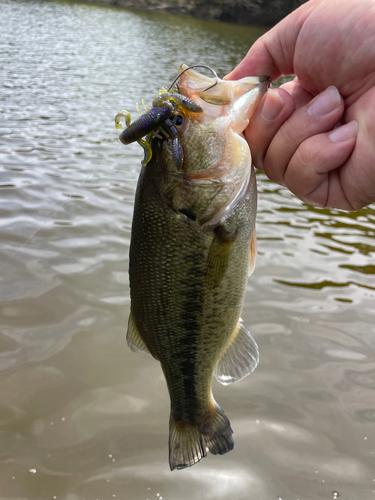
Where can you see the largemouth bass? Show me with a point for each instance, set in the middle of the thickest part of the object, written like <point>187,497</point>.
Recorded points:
<point>192,248</point>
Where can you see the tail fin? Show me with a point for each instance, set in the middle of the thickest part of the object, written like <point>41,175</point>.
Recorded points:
<point>188,444</point>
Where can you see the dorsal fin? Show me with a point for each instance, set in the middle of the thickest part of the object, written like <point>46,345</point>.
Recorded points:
<point>240,357</point>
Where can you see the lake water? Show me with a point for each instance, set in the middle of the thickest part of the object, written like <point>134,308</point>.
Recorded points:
<point>81,416</point>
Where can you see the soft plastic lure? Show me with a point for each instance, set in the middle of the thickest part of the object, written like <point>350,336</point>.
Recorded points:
<point>166,115</point>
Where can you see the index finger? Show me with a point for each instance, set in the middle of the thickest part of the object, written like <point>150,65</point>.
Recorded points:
<point>257,62</point>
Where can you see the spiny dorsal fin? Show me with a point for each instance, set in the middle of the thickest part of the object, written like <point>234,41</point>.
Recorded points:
<point>240,358</point>
<point>133,338</point>
<point>253,252</point>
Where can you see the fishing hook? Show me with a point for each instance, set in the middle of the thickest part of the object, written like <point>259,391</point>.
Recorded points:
<point>196,66</point>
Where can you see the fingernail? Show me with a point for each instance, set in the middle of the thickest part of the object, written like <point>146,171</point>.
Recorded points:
<point>325,102</point>
<point>272,106</point>
<point>345,132</point>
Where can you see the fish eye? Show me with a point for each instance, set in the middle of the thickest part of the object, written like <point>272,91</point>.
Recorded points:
<point>178,120</point>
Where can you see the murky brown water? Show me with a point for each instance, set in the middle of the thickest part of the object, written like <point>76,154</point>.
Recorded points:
<point>83,418</point>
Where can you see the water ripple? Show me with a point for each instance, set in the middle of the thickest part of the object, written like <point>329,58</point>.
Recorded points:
<point>71,392</point>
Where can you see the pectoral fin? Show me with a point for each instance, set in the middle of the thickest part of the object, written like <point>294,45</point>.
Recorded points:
<point>133,338</point>
<point>240,358</point>
<point>218,256</point>
<point>253,252</point>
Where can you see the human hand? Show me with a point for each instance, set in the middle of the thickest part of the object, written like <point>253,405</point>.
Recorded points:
<point>292,135</point>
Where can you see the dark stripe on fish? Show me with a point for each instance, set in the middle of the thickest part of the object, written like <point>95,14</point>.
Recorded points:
<point>192,291</point>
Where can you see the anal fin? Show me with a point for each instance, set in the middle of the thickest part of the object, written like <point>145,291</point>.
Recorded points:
<point>133,338</point>
<point>240,358</point>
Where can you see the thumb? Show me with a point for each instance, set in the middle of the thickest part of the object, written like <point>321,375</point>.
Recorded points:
<point>272,54</point>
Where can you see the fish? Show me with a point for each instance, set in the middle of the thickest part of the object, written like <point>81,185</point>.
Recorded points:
<point>193,246</point>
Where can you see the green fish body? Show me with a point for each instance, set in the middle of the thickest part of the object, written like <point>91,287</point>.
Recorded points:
<point>192,244</point>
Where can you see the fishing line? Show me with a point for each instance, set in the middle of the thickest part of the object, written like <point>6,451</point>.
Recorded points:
<point>57,209</point>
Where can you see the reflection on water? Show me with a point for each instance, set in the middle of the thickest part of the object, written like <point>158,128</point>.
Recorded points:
<point>81,417</point>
